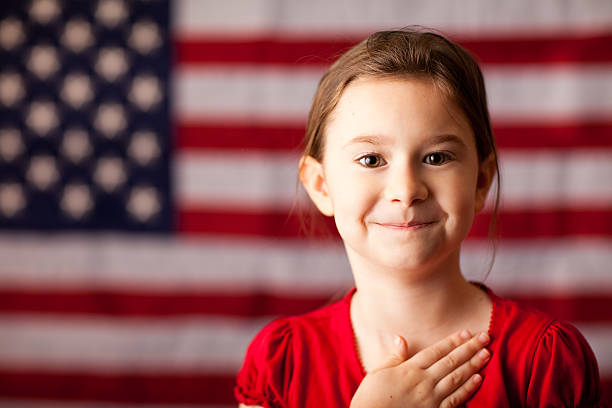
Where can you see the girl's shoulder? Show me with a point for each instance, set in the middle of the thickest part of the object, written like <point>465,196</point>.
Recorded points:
<point>550,358</point>
<point>284,348</point>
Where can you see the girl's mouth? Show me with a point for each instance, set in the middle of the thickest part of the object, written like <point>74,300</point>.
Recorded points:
<point>412,225</point>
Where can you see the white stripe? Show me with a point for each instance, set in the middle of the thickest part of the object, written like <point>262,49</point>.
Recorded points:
<point>204,346</point>
<point>102,345</point>
<point>232,179</point>
<point>320,17</point>
<point>524,94</point>
<point>120,263</point>
<point>125,263</point>
<point>230,91</point>
<point>544,267</point>
<point>536,93</point>
<point>530,179</point>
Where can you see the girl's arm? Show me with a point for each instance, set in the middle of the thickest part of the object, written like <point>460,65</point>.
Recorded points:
<point>443,375</point>
<point>248,406</point>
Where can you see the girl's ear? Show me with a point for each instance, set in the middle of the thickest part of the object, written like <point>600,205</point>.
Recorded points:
<point>312,177</point>
<point>486,172</point>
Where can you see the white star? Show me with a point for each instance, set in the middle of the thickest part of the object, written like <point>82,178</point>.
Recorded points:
<point>42,117</point>
<point>11,88</point>
<point>143,148</point>
<point>77,90</point>
<point>145,36</point>
<point>143,203</point>
<point>110,174</point>
<point>110,119</point>
<point>77,35</point>
<point>12,199</point>
<point>77,200</point>
<point>44,11</point>
<point>43,61</point>
<point>111,63</point>
<point>11,33</point>
<point>42,172</point>
<point>76,146</point>
<point>11,144</point>
<point>111,12</point>
<point>145,92</point>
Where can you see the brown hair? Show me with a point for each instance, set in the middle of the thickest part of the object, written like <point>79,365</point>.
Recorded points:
<point>410,52</point>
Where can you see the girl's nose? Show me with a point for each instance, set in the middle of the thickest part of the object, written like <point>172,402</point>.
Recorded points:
<point>405,186</point>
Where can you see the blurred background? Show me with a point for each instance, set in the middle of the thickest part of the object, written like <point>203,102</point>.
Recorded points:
<point>148,193</point>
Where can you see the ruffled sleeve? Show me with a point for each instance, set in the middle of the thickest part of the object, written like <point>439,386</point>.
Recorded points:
<point>266,372</point>
<point>564,371</point>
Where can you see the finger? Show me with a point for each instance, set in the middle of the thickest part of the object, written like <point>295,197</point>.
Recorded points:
<point>462,393</point>
<point>431,354</point>
<point>398,355</point>
<point>456,378</point>
<point>457,357</point>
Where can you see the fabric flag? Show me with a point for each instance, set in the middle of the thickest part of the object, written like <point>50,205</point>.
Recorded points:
<point>150,219</point>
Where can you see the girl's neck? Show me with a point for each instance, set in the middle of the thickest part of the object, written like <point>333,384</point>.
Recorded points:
<point>423,310</point>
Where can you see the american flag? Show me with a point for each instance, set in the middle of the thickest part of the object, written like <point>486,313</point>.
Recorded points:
<point>148,194</point>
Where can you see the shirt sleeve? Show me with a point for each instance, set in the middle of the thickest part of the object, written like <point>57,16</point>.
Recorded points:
<point>265,374</point>
<point>564,371</point>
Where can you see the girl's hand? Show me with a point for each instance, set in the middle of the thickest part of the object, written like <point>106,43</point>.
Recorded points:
<point>443,375</point>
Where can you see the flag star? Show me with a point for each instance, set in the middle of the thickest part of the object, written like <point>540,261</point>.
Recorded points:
<point>11,88</point>
<point>145,92</point>
<point>110,119</point>
<point>77,90</point>
<point>145,37</point>
<point>11,33</point>
<point>44,11</point>
<point>143,203</point>
<point>12,199</point>
<point>11,144</point>
<point>42,172</point>
<point>143,148</point>
<point>111,63</point>
<point>42,117</point>
<point>43,61</point>
<point>77,200</point>
<point>111,12</point>
<point>76,146</point>
<point>110,174</point>
<point>77,35</point>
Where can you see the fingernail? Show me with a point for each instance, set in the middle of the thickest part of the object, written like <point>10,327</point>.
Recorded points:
<point>465,334</point>
<point>483,338</point>
<point>397,340</point>
<point>476,378</point>
<point>484,354</point>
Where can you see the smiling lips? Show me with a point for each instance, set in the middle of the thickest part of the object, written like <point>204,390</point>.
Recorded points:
<point>412,225</point>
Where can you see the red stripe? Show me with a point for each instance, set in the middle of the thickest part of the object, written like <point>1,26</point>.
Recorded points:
<point>277,50</point>
<point>195,136</point>
<point>526,224</point>
<point>189,389</point>
<point>124,304</point>
<point>575,308</point>
<point>134,388</point>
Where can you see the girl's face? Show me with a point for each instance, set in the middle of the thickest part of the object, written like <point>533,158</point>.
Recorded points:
<point>400,174</point>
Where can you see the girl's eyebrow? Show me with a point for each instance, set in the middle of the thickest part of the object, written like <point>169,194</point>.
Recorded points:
<point>370,139</point>
<point>447,138</point>
<point>379,140</point>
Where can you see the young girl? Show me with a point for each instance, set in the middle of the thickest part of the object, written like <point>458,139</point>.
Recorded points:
<point>400,152</point>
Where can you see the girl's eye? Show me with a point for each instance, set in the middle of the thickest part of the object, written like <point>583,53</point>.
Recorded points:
<point>437,158</point>
<point>372,160</point>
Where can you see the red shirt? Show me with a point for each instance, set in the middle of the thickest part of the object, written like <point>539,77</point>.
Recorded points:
<point>311,361</point>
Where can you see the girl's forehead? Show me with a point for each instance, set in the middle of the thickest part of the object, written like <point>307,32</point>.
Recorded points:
<point>395,101</point>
